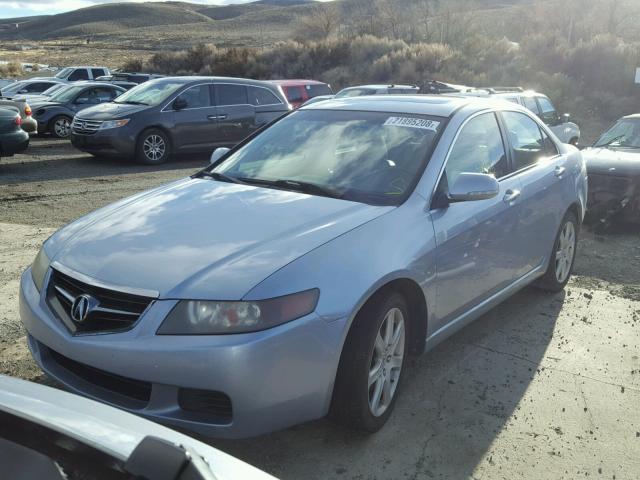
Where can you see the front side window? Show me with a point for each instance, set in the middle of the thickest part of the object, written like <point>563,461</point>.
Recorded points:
<point>369,157</point>
<point>231,94</point>
<point>526,139</point>
<point>261,96</point>
<point>478,149</point>
<point>95,96</point>
<point>531,104</point>
<point>79,74</point>
<point>548,111</point>
<point>153,92</point>
<point>37,87</point>
<point>196,97</point>
<point>624,134</point>
<point>97,72</point>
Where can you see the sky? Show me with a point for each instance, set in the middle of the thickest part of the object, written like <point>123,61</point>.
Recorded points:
<point>23,8</point>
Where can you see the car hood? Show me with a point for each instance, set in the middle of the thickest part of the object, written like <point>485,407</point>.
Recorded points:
<point>107,429</point>
<point>35,105</point>
<point>203,239</point>
<point>607,161</point>
<point>110,110</point>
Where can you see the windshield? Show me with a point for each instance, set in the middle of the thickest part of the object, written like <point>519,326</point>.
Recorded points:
<point>64,73</point>
<point>51,90</point>
<point>13,87</point>
<point>153,92</point>
<point>624,134</point>
<point>66,94</point>
<point>369,157</point>
<point>355,92</point>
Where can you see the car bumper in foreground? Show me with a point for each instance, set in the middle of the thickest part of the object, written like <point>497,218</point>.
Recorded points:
<point>229,386</point>
<point>13,142</point>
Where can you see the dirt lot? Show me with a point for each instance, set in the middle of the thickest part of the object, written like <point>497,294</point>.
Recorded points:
<point>544,386</point>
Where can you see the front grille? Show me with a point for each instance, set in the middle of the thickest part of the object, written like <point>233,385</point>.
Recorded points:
<point>85,127</point>
<point>215,405</point>
<point>134,390</point>
<point>108,310</point>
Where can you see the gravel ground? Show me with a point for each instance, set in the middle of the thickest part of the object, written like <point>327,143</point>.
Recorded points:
<point>543,386</point>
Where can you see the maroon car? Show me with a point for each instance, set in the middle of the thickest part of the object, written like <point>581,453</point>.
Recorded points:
<point>299,91</point>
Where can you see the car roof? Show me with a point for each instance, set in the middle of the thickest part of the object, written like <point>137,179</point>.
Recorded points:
<point>294,82</point>
<point>380,86</point>
<point>436,105</point>
<point>189,79</point>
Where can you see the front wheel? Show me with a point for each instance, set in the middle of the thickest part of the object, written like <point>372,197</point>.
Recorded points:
<point>153,147</point>
<point>563,255</point>
<point>371,365</point>
<point>60,126</point>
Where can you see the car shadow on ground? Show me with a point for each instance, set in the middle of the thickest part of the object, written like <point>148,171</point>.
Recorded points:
<point>454,402</point>
<point>48,159</point>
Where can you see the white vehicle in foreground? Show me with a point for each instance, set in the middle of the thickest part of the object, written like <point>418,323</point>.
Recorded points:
<point>48,434</point>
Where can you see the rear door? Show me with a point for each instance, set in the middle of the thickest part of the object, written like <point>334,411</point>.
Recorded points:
<point>236,116</point>
<point>477,242</point>
<point>195,124</point>
<point>542,173</point>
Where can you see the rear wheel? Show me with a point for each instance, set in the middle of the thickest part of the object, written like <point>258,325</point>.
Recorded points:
<point>563,255</point>
<point>60,126</point>
<point>153,147</point>
<point>371,365</point>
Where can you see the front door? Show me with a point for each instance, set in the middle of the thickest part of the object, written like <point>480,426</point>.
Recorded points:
<point>195,119</point>
<point>477,248</point>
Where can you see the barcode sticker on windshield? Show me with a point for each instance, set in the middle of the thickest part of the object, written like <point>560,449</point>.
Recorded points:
<point>412,123</point>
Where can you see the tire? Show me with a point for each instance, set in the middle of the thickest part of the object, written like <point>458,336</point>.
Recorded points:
<point>60,126</point>
<point>153,147</point>
<point>563,255</point>
<point>354,397</point>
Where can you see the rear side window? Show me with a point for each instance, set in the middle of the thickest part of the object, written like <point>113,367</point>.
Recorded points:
<point>79,74</point>
<point>317,90</point>
<point>196,97</point>
<point>261,96</point>
<point>531,104</point>
<point>97,72</point>
<point>231,94</point>
<point>294,94</point>
<point>478,149</point>
<point>37,87</point>
<point>526,139</point>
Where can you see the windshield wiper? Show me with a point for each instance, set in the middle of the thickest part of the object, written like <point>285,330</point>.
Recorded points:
<point>296,185</point>
<point>220,176</point>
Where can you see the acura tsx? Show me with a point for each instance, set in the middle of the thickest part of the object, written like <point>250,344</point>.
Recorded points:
<point>292,277</point>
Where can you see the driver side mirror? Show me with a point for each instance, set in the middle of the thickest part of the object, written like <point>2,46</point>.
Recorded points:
<point>180,103</point>
<point>470,187</point>
<point>565,117</point>
<point>218,153</point>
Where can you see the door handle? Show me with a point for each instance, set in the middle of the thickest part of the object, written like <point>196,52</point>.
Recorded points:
<point>559,171</point>
<point>511,195</point>
<point>217,117</point>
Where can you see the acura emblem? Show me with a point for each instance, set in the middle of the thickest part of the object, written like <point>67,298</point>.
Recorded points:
<point>81,307</point>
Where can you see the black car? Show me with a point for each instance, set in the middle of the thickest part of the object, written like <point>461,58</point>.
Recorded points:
<point>13,139</point>
<point>177,114</point>
<point>55,114</point>
<point>613,166</point>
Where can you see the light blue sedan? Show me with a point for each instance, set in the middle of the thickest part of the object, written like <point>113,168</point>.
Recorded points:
<point>294,276</point>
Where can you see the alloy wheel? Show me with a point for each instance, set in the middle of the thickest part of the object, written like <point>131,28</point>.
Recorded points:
<point>154,147</point>
<point>62,126</point>
<point>565,252</point>
<point>386,362</point>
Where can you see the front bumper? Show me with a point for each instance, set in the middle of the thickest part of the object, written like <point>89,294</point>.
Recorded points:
<point>14,142</point>
<point>275,378</point>
<point>115,142</point>
<point>613,198</point>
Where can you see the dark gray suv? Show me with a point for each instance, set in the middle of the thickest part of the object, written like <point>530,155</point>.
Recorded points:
<point>176,115</point>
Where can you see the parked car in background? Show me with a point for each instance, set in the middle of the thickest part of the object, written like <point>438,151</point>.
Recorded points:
<point>29,124</point>
<point>13,139</point>
<point>33,97</point>
<point>129,77</point>
<point>249,264</point>
<point>541,105</point>
<point>367,90</point>
<point>177,114</point>
<point>80,73</point>
<point>45,432</point>
<point>32,86</point>
<point>55,114</point>
<point>299,91</point>
<point>613,165</point>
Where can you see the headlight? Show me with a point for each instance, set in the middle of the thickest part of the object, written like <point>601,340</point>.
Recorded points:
<point>39,269</point>
<point>198,317</point>
<point>114,123</point>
